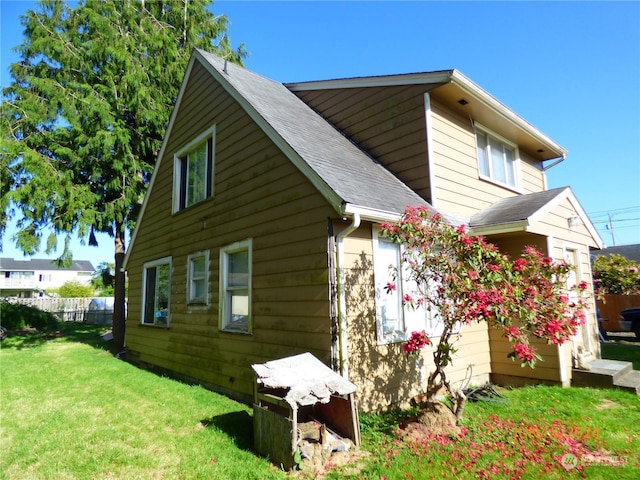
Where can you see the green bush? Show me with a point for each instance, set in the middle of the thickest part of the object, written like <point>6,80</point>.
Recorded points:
<point>616,275</point>
<point>16,316</point>
<point>72,289</point>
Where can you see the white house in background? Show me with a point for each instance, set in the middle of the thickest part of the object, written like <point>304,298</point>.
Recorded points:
<point>31,277</point>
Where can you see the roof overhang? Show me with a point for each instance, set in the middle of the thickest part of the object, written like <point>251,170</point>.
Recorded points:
<point>463,96</point>
<point>370,215</point>
<point>530,223</point>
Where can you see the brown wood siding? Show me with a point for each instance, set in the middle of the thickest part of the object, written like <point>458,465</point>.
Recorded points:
<point>384,375</point>
<point>258,194</point>
<point>388,123</point>
<point>458,188</point>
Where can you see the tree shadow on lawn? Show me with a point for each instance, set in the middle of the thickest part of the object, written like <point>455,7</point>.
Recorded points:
<point>66,331</point>
<point>238,426</point>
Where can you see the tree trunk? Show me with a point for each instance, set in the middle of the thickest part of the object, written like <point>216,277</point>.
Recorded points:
<point>119,311</point>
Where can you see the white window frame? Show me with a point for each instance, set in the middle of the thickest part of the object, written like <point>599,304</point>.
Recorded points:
<point>490,176</point>
<point>192,279</point>
<point>181,174</point>
<point>409,320</point>
<point>159,318</point>
<point>225,322</point>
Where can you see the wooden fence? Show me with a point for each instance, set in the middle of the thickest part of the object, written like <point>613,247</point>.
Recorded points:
<point>609,309</point>
<point>71,309</point>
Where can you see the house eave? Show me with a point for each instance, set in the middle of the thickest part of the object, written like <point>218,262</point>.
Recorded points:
<point>370,214</point>
<point>512,227</point>
<point>429,78</point>
<point>491,103</point>
<point>436,79</point>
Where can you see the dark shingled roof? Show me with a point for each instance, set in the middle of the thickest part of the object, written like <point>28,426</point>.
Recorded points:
<point>43,264</point>
<point>349,172</point>
<point>632,252</point>
<point>514,209</point>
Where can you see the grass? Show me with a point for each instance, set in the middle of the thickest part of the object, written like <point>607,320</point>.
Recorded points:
<point>624,349</point>
<point>70,410</point>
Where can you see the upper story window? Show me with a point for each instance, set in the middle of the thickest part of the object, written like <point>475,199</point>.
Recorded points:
<point>394,321</point>
<point>193,171</point>
<point>198,278</point>
<point>156,292</point>
<point>497,158</point>
<point>235,287</point>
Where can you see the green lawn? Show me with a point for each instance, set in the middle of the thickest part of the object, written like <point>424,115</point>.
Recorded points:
<point>70,410</point>
<point>628,351</point>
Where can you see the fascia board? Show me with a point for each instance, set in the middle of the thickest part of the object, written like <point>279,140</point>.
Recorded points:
<point>167,135</point>
<point>567,194</point>
<point>369,214</point>
<point>330,195</point>
<point>585,220</point>
<point>501,109</point>
<point>520,226</point>
<point>546,209</point>
<point>428,78</point>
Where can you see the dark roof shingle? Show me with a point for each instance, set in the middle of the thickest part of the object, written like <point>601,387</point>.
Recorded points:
<point>44,264</point>
<point>349,172</point>
<point>514,209</point>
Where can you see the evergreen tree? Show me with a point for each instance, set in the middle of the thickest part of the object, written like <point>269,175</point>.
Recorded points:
<point>84,117</point>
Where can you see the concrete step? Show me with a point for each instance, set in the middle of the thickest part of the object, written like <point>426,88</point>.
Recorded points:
<point>629,382</point>
<point>606,373</point>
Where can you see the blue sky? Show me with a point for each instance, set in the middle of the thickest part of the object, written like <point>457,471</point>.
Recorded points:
<point>572,69</point>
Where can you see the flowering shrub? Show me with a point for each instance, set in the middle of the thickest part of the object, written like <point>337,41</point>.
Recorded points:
<point>466,279</point>
<point>616,275</point>
<point>417,341</point>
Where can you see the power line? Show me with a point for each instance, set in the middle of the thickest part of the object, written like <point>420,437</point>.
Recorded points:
<point>613,210</point>
<point>617,220</point>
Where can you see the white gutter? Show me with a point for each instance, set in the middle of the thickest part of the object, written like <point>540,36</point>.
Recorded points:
<point>342,296</point>
<point>370,214</point>
<point>501,109</point>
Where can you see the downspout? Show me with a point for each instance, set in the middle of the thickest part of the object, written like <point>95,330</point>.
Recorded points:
<point>342,295</point>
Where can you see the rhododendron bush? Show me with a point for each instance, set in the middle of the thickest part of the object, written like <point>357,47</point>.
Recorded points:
<point>465,279</point>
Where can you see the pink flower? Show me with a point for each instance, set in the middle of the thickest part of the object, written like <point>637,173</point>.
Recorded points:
<point>523,352</point>
<point>417,341</point>
<point>519,264</point>
<point>390,287</point>
<point>512,333</point>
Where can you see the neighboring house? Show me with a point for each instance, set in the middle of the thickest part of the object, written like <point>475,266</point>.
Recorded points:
<point>30,278</point>
<point>258,237</point>
<point>631,252</point>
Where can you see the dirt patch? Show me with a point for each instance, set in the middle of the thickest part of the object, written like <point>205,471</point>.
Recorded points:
<point>318,467</point>
<point>606,404</point>
<point>435,418</point>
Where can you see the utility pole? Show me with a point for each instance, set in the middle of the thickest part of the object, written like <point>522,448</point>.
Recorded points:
<point>610,228</point>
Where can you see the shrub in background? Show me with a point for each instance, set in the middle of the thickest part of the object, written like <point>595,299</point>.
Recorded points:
<point>16,317</point>
<point>616,275</point>
<point>73,289</point>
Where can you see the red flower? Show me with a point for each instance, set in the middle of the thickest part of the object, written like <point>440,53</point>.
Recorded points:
<point>519,264</point>
<point>417,341</point>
